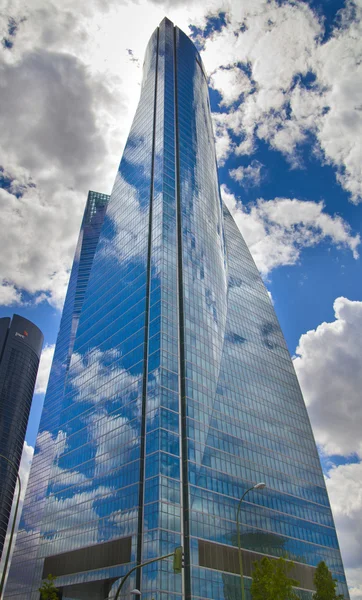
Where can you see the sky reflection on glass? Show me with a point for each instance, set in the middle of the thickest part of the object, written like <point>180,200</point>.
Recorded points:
<point>177,392</point>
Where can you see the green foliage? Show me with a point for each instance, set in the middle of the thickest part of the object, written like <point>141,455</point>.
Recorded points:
<point>324,583</point>
<point>48,591</point>
<point>271,581</point>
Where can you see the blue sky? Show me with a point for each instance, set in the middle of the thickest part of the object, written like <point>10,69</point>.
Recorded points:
<point>285,90</point>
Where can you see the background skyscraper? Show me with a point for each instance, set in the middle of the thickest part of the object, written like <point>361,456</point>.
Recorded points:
<point>28,541</point>
<point>180,392</point>
<point>20,347</point>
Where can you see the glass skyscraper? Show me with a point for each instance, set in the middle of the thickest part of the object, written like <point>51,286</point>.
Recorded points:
<point>172,390</point>
<point>20,347</point>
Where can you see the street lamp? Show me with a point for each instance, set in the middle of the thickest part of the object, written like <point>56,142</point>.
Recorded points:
<point>177,557</point>
<point>2,582</point>
<point>257,486</point>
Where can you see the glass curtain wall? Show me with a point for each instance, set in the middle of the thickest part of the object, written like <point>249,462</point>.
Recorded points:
<point>180,392</point>
<point>50,437</point>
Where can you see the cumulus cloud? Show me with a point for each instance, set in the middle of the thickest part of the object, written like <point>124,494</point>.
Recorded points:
<point>66,133</point>
<point>340,130</point>
<point>44,368</point>
<point>24,470</point>
<point>37,243</point>
<point>56,121</point>
<point>248,176</point>
<point>277,230</point>
<point>344,485</point>
<point>55,118</point>
<point>231,83</point>
<point>329,368</point>
<point>54,147</point>
<point>223,141</point>
<point>66,112</point>
<point>354,578</point>
<point>274,43</point>
<point>9,295</point>
<point>295,90</point>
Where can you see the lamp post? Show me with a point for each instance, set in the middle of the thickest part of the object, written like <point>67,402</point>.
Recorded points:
<point>8,551</point>
<point>257,486</point>
<point>177,558</point>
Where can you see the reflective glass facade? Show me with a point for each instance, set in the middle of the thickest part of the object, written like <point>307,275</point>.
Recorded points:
<point>49,436</point>
<point>20,347</point>
<point>180,392</point>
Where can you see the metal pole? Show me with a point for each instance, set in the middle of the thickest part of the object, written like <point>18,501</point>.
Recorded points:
<point>2,583</point>
<point>139,567</point>
<point>239,547</point>
<point>257,486</point>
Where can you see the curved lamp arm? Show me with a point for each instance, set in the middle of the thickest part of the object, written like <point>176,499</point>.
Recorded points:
<point>148,562</point>
<point>257,486</point>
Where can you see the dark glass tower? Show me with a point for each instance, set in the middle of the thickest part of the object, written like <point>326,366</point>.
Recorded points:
<point>180,392</point>
<point>20,347</point>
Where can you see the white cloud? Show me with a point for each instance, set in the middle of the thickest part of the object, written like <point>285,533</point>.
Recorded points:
<point>9,295</point>
<point>275,44</point>
<point>277,230</point>
<point>24,470</point>
<point>55,118</point>
<point>66,133</point>
<point>231,83</point>
<point>44,368</point>
<point>340,130</point>
<point>57,142</point>
<point>354,578</point>
<point>223,142</point>
<point>248,176</point>
<point>39,234</point>
<point>280,44</point>
<point>329,368</point>
<point>54,147</point>
<point>344,484</point>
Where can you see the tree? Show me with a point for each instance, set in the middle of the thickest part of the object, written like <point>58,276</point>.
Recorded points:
<point>324,583</point>
<point>48,591</point>
<point>270,580</point>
